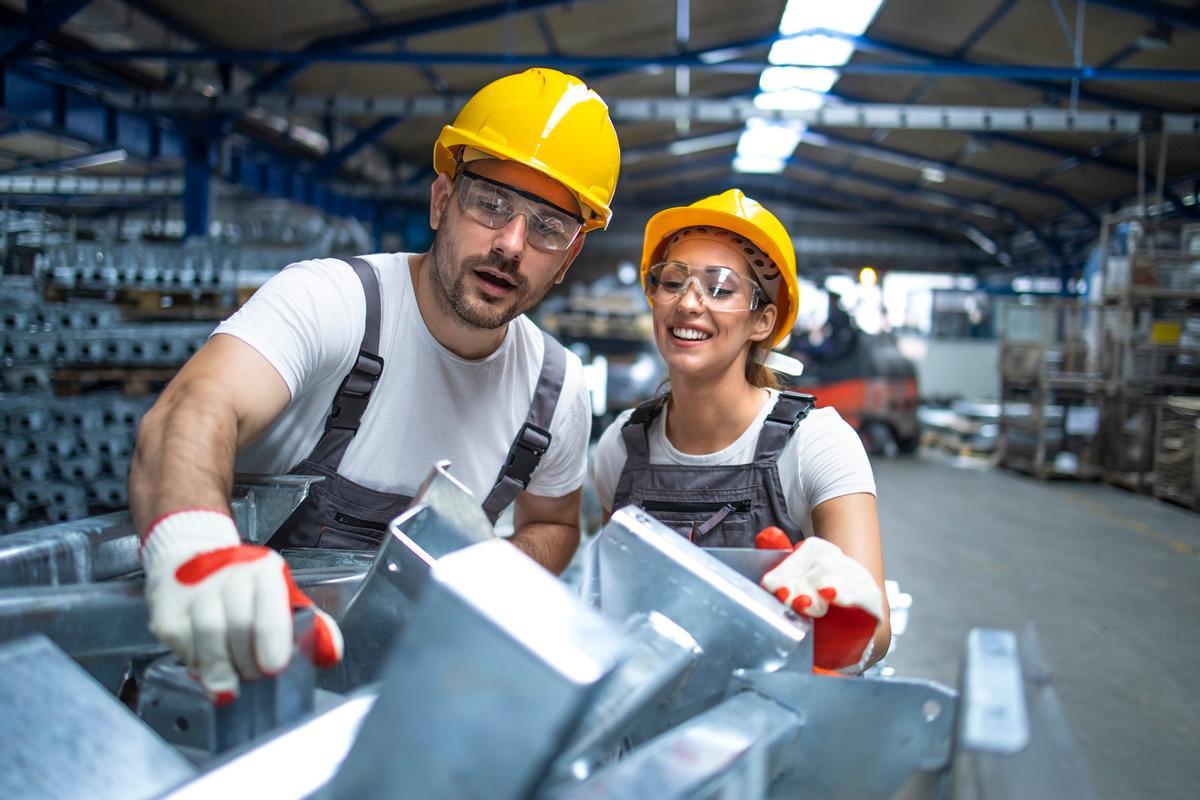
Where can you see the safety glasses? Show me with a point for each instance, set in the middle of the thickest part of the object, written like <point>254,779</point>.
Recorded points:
<point>494,204</point>
<point>719,288</point>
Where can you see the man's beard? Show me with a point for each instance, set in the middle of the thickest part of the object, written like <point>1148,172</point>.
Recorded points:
<point>450,275</point>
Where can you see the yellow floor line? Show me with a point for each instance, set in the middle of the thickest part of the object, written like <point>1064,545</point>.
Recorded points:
<point>1141,528</point>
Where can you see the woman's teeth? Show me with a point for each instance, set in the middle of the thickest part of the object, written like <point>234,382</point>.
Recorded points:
<point>689,333</point>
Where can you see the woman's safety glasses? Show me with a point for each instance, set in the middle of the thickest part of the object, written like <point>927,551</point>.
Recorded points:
<point>720,288</point>
<point>494,204</point>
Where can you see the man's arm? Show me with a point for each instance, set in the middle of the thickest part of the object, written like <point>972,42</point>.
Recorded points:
<point>225,396</point>
<point>547,528</point>
<point>852,523</point>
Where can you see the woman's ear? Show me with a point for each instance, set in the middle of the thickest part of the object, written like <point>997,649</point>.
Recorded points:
<point>764,324</point>
<point>439,199</point>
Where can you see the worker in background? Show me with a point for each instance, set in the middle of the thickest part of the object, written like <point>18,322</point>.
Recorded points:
<point>724,454</point>
<point>368,371</point>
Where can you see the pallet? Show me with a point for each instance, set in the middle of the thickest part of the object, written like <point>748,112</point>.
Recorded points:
<point>130,381</point>
<point>1137,482</point>
<point>1046,471</point>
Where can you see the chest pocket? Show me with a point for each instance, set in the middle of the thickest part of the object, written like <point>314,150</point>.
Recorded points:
<point>708,523</point>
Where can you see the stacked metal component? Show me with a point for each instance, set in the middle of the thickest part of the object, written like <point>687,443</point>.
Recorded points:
<point>65,455</point>
<point>472,672</point>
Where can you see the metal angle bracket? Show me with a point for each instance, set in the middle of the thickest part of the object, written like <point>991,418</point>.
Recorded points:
<point>862,737</point>
<point>497,645</point>
<point>637,565</point>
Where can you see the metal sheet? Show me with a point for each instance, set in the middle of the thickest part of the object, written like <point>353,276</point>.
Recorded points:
<point>862,738</point>
<point>489,675</point>
<point>176,707</point>
<point>105,547</point>
<point>662,658</point>
<point>636,565</point>
<point>294,763</point>
<point>99,619</point>
<point>63,736</point>
<point>444,517</point>
<point>731,751</point>
<point>986,765</point>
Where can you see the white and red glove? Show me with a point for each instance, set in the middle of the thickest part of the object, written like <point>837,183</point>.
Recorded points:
<point>837,593</point>
<point>225,607</point>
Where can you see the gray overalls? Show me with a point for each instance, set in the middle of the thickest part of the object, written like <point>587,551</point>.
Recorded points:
<point>721,506</point>
<point>339,513</point>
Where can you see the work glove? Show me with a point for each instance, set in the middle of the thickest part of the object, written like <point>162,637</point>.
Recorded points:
<point>225,607</point>
<point>834,591</point>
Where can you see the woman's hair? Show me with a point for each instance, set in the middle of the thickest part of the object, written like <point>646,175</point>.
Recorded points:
<point>757,373</point>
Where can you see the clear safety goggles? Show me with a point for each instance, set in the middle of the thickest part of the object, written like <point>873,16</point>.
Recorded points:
<point>719,288</point>
<point>493,204</point>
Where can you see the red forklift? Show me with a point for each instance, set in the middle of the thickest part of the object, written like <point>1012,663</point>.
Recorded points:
<point>865,377</point>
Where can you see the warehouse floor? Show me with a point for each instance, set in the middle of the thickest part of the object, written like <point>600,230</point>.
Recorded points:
<point>1110,579</point>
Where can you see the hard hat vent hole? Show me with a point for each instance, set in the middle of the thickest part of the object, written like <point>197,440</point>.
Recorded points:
<point>749,250</point>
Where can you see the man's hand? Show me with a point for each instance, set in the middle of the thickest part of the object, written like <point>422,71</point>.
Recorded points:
<point>225,607</point>
<point>837,593</point>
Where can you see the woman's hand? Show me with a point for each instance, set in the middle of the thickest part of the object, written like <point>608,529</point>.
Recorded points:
<point>837,593</point>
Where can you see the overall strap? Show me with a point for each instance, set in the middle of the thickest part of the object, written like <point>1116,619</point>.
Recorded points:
<point>790,410</point>
<point>352,396</point>
<point>636,430</point>
<point>533,440</point>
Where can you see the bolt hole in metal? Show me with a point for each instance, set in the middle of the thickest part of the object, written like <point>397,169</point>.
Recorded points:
<point>181,724</point>
<point>931,710</point>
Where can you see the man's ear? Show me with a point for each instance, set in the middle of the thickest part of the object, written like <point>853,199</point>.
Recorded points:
<point>764,324</point>
<point>572,253</point>
<point>439,198</point>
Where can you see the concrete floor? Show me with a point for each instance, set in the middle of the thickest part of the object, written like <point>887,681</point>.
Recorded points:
<point>1110,579</point>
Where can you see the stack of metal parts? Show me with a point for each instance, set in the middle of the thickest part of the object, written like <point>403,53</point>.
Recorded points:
<point>472,672</point>
<point>65,455</point>
<point>196,268</point>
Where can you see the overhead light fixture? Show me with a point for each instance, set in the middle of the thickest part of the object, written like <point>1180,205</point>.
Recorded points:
<point>933,175</point>
<point>813,30</point>
<point>867,276</point>
<point>765,146</point>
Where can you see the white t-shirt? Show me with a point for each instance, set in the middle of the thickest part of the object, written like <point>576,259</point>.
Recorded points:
<point>428,405</point>
<point>823,459</point>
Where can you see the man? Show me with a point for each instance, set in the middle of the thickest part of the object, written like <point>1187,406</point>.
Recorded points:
<point>369,371</point>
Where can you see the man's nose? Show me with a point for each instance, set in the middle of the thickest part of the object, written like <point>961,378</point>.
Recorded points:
<point>509,239</point>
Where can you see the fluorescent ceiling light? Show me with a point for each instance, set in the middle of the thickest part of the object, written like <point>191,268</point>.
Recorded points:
<point>849,16</point>
<point>777,79</point>
<point>823,50</point>
<point>933,174</point>
<point>758,164</point>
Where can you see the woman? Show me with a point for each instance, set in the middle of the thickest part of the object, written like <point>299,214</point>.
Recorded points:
<point>724,454</point>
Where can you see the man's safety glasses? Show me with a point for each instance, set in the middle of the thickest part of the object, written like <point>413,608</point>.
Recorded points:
<point>494,204</point>
<point>720,288</point>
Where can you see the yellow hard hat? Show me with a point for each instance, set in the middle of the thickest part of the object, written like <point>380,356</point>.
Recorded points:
<point>733,211</point>
<point>546,120</point>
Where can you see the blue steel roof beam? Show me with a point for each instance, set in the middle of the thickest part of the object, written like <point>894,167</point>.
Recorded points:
<point>1052,150</point>
<point>766,189</point>
<point>913,161</point>
<point>439,84</point>
<point>1037,76</point>
<point>943,199</point>
<point>331,163</point>
<point>918,94</point>
<point>198,37</point>
<point>400,30</point>
<point>48,18</point>
<point>1177,16</point>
